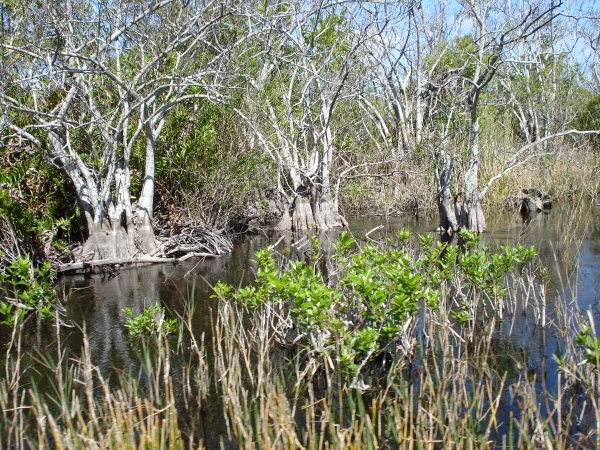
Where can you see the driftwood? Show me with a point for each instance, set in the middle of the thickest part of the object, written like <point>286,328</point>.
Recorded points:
<point>87,265</point>
<point>528,201</point>
<point>195,240</point>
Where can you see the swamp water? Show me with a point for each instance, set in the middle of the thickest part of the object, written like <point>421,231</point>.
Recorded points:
<point>568,247</point>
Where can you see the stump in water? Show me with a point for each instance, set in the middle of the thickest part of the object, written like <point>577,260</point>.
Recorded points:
<point>529,201</point>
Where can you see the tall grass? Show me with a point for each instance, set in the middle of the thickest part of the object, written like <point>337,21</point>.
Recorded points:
<point>509,375</point>
<point>468,387</point>
<point>69,403</point>
<point>569,170</point>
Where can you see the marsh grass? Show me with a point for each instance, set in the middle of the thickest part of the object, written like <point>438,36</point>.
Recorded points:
<point>568,172</point>
<point>508,376</point>
<point>63,402</point>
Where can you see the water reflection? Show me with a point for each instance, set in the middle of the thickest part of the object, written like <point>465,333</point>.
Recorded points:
<point>98,300</point>
<point>569,247</point>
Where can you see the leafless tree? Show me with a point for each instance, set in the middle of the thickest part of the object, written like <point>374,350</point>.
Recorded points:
<point>402,61</point>
<point>309,71</point>
<point>92,84</point>
<point>501,31</point>
<point>439,63</point>
<point>419,90</point>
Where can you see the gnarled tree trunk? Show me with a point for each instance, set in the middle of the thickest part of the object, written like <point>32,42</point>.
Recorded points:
<point>471,216</point>
<point>447,210</point>
<point>119,234</point>
<point>445,200</point>
<point>305,213</point>
<point>311,211</point>
<point>116,230</point>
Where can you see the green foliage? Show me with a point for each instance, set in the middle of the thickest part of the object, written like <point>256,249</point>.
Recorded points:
<point>149,324</point>
<point>590,345</point>
<point>452,63</point>
<point>588,119</point>
<point>461,52</point>
<point>320,310</point>
<point>344,244</point>
<point>377,292</point>
<point>438,261</point>
<point>329,35</point>
<point>34,200</point>
<point>549,87</point>
<point>404,236</point>
<point>479,269</point>
<point>203,164</point>
<point>462,314</point>
<point>483,271</point>
<point>25,289</point>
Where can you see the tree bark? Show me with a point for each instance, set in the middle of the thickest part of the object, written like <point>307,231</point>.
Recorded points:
<point>304,214</point>
<point>447,210</point>
<point>471,217</point>
<point>145,209</point>
<point>445,200</point>
<point>109,244</point>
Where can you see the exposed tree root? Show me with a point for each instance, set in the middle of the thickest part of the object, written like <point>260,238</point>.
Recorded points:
<point>194,240</point>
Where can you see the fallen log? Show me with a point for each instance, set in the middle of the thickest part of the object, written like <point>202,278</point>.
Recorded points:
<point>85,265</point>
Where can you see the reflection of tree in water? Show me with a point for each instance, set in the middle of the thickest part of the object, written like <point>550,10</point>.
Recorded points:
<point>99,305</point>
<point>131,288</point>
<point>102,303</point>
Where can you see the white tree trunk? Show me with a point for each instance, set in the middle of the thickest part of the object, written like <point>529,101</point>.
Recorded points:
<point>445,200</point>
<point>471,216</point>
<point>145,207</point>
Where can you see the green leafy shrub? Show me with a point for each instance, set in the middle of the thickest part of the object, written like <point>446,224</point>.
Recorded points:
<point>591,346</point>
<point>25,289</point>
<point>483,271</point>
<point>376,296</point>
<point>373,302</point>
<point>150,323</point>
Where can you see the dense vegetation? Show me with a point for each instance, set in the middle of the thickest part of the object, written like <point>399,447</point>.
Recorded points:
<point>411,343</point>
<point>122,119</point>
<point>150,131</point>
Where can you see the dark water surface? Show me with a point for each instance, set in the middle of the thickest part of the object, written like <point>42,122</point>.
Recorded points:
<point>568,245</point>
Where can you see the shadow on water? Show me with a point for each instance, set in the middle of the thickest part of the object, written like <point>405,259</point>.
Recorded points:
<point>567,240</point>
